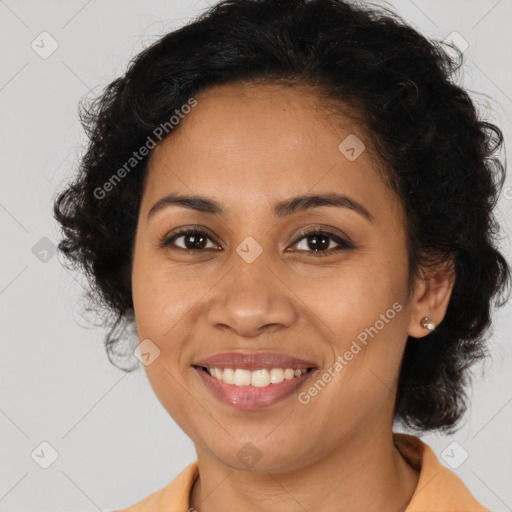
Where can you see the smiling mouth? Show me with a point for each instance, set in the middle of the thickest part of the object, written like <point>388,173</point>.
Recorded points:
<point>257,378</point>
<point>247,389</point>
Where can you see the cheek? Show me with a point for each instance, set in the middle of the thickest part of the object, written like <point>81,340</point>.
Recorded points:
<point>361,381</point>
<point>363,316</point>
<point>161,296</point>
<point>161,302</point>
<point>183,407</point>
<point>354,299</point>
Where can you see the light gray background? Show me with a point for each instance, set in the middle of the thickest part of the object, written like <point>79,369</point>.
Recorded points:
<point>115,442</point>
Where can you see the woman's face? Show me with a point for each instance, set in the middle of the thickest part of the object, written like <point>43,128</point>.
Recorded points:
<point>250,282</point>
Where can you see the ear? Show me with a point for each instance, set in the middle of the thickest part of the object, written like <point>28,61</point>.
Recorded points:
<point>431,297</point>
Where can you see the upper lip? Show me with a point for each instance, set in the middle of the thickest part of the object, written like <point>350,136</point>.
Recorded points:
<point>254,361</point>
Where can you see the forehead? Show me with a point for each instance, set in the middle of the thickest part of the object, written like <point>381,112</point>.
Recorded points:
<point>244,143</point>
<point>237,119</point>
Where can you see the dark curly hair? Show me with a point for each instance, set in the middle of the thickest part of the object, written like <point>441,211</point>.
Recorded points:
<point>439,157</point>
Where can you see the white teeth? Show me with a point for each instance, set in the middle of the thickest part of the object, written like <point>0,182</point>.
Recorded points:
<point>242,377</point>
<point>228,376</point>
<point>258,378</point>
<point>276,375</point>
<point>289,374</point>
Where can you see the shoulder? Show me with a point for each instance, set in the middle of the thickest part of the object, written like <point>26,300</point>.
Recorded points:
<point>174,496</point>
<point>439,489</point>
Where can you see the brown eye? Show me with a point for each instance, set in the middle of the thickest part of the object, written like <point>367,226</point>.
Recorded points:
<point>318,243</point>
<point>315,242</point>
<point>193,240</point>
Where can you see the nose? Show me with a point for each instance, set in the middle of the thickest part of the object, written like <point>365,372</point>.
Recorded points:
<point>252,300</point>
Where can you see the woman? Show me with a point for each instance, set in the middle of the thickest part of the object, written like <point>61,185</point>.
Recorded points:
<point>293,204</point>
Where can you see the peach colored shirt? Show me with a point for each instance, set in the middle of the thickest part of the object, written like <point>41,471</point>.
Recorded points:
<point>438,489</point>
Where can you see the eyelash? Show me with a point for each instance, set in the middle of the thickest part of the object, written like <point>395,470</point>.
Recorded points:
<point>342,244</point>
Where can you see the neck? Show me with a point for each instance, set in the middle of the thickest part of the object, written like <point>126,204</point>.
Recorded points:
<point>367,473</point>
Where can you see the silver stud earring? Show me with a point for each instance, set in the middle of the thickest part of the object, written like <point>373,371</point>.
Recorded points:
<point>428,323</point>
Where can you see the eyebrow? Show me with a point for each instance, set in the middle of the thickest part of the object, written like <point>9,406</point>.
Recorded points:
<point>281,209</point>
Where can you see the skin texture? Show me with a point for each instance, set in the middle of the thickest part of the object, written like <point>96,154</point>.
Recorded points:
<point>248,147</point>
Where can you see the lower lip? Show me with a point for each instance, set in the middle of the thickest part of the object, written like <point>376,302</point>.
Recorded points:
<point>251,397</point>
